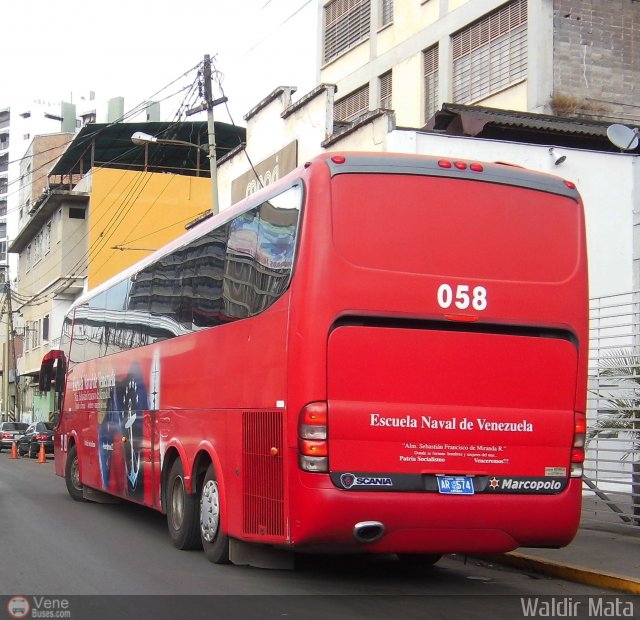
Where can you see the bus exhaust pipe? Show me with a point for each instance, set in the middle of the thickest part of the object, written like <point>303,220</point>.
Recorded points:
<point>368,531</point>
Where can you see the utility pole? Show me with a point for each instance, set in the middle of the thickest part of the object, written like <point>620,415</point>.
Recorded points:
<point>12,340</point>
<point>213,164</point>
<point>5,360</point>
<point>208,105</point>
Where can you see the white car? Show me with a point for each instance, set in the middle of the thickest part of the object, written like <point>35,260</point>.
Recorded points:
<point>10,432</point>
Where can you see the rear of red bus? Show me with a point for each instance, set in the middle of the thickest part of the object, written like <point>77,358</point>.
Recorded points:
<point>437,355</point>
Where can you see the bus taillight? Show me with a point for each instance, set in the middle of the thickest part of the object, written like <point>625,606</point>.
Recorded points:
<point>312,438</point>
<point>577,450</point>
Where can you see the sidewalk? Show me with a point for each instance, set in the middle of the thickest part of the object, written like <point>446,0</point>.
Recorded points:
<point>605,555</point>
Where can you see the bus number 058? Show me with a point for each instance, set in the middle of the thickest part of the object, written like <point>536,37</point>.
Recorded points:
<point>464,297</point>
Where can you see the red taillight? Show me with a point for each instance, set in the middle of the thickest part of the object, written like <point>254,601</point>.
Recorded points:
<point>314,414</point>
<point>579,440</point>
<point>312,448</point>
<point>338,159</point>
<point>460,165</point>
<point>41,437</point>
<point>6,435</point>
<point>476,167</point>
<point>570,184</point>
<point>312,438</point>
<point>577,455</point>
<point>580,430</point>
<point>443,163</point>
<point>461,318</point>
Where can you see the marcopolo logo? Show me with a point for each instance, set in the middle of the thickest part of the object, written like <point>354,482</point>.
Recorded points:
<point>351,480</point>
<point>526,485</point>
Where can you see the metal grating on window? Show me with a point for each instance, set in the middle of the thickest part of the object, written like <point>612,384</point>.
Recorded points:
<point>386,101</point>
<point>490,54</point>
<point>352,106</point>
<point>430,72</point>
<point>386,12</point>
<point>346,23</point>
<point>263,473</point>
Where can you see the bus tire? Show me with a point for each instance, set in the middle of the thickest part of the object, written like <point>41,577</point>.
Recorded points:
<point>418,560</point>
<point>182,510</point>
<point>214,543</point>
<point>72,475</point>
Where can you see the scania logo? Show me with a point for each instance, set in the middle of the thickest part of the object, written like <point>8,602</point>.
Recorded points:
<point>351,480</point>
<point>347,480</point>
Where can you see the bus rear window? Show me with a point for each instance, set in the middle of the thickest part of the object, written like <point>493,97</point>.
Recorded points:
<point>440,226</point>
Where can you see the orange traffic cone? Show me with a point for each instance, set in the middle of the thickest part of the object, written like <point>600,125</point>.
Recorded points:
<point>14,451</point>
<point>42,457</point>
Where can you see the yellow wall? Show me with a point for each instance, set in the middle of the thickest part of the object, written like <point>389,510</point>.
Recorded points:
<point>511,98</point>
<point>138,210</point>
<point>454,4</point>
<point>408,20</point>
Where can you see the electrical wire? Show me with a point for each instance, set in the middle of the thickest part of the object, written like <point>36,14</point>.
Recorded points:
<point>110,226</point>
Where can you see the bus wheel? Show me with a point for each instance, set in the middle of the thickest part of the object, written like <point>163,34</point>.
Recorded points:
<point>72,475</point>
<point>181,510</point>
<point>418,560</point>
<point>214,542</point>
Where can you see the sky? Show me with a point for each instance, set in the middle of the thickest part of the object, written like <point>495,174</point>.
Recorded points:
<point>62,49</point>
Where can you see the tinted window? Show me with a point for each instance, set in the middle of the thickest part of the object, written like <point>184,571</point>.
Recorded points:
<point>233,272</point>
<point>14,426</point>
<point>259,256</point>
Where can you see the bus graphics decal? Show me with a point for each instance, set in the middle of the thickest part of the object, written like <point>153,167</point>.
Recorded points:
<point>121,435</point>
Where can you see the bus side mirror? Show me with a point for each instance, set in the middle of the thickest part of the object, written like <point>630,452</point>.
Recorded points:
<point>52,370</point>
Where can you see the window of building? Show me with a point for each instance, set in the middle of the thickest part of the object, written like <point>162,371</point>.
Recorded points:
<point>491,53</point>
<point>45,328</point>
<point>385,82</point>
<point>346,23</point>
<point>430,73</point>
<point>386,12</point>
<point>3,230</point>
<point>35,334</point>
<point>353,105</point>
<point>37,248</point>
<point>76,213</point>
<point>47,237</point>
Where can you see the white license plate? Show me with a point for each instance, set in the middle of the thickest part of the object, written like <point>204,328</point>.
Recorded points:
<point>455,485</point>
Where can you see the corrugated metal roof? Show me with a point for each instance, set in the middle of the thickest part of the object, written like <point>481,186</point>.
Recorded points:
<point>109,145</point>
<point>482,122</point>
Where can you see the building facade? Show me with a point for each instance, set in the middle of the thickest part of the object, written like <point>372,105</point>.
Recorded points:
<point>563,57</point>
<point>101,210</point>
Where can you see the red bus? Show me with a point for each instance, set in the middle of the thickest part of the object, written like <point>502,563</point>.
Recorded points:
<point>380,353</point>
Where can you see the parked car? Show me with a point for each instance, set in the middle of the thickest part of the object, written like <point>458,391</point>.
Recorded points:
<point>38,433</point>
<point>10,432</point>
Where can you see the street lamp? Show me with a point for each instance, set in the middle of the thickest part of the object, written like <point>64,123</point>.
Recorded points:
<point>140,138</point>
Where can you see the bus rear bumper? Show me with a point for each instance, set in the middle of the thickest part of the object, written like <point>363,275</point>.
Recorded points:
<point>328,518</point>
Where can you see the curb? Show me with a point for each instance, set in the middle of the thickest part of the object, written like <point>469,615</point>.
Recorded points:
<point>568,572</point>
